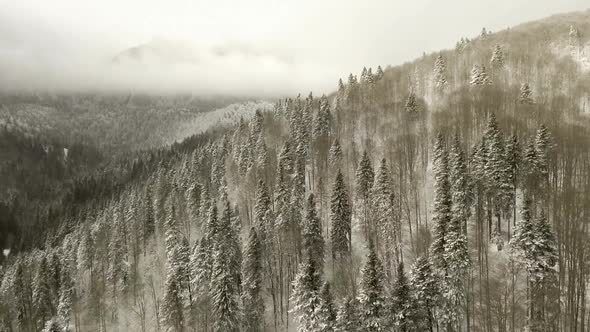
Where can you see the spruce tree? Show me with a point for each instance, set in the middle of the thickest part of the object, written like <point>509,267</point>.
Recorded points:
<point>402,307</point>
<point>325,311</point>
<point>66,298</point>
<point>425,283</point>
<point>172,305</point>
<point>340,218</point>
<point>475,77</point>
<point>305,297</point>
<point>42,298</point>
<point>335,154</point>
<point>542,148</point>
<point>261,208</point>
<point>411,104</point>
<point>252,300</point>
<point>497,60</point>
<point>442,204</point>
<point>440,76</point>
<point>372,312</point>
<point>313,241</point>
<point>365,177</point>
<point>347,319</point>
<point>525,96</point>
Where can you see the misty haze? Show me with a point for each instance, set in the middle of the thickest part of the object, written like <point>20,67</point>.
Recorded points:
<point>309,166</point>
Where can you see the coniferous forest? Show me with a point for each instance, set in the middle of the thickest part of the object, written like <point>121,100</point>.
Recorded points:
<point>451,193</point>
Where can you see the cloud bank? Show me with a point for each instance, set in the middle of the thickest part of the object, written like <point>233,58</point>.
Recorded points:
<point>254,47</point>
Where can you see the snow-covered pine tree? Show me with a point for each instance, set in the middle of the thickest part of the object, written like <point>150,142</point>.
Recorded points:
<point>305,297</point>
<point>475,77</point>
<point>365,177</point>
<point>335,154</point>
<point>525,95</point>
<point>411,104</point>
<point>341,95</point>
<point>460,183</point>
<point>322,123</point>
<point>340,218</point>
<point>172,304</point>
<point>372,310</point>
<point>52,325</point>
<point>363,75</point>
<point>381,205</point>
<point>42,298</point>
<point>313,241</point>
<point>497,61</point>
<point>326,312</point>
<point>286,158</point>
<point>229,237</point>
<point>442,204</point>
<point>379,73</point>
<point>225,280</point>
<point>261,208</point>
<point>347,319</point>
<point>523,240</point>
<point>67,295</point>
<point>440,75</point>
<point>426,290</point>
<point>252,300</point>
<point>403,310</point>
<point>484,78</point>
<point>542,148</point>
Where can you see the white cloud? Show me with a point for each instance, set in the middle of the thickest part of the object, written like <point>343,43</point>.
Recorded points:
<point>230,46</point>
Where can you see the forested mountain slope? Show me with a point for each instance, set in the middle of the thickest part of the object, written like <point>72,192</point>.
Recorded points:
<point>449,194</point>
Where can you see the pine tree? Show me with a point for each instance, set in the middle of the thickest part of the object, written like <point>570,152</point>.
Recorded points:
<point>286,158</point>
<point>497,60</point>
<point>379,73</point>
<point>322,124</point>
<point>305,297</point>
<point>52,325</point>
<point>484,77</point>
<point>225,275</point>
<point>542,147</point>
<point>475,78</point>
<point>460,183</point>
<point>411,104</point>
<point>325,311</point>
<point>172,305</point>
<point>335,156</point>
<point>19,291</point>
<point>261,208</point>
<point>425,283</point>
<point>347,317</point>
<point>372,313</point>
<point>385,226</point>
<point>525,96</point>
<point>523,240</point>
<point>440,76</point>
<point>340,217</point>
<point>66,298</point>
<point>252,300</point>
<point>313,241</point>
<point>364,176</point>
<point>42,301</point>
<point>442,204</point>
<point>402,307</point>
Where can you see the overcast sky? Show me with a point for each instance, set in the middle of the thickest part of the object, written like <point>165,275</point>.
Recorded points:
<point>256,47</point>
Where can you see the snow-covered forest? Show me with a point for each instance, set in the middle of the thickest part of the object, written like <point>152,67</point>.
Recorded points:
<point>451,193</point>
